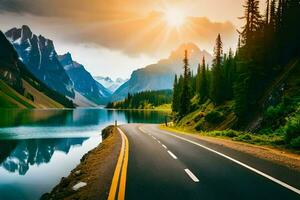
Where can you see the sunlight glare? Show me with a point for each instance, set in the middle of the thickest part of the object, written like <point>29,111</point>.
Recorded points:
<point>174,17</point>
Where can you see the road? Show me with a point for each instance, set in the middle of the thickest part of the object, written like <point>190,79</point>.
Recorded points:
<point>166,165</point>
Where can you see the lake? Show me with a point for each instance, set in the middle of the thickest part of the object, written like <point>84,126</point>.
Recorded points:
<point>38,147</point>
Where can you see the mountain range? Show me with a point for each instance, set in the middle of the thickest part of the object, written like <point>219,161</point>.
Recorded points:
<point>59,72</point>
<point>34,70</point>
<point>160,76</point>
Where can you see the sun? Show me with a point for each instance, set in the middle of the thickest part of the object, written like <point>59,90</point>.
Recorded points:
<point>174,17</point>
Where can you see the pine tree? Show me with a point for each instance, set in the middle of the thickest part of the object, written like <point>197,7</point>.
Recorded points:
<point>198,79</point>
<point>217,79</point>
<point>253,20</point>
<point>251,60</point>
<point>267,15</point>
<point>186,88</point>
<point>203,92</point>
<point>272,21</point>
<point>229,75</point>
<point>176,95</point>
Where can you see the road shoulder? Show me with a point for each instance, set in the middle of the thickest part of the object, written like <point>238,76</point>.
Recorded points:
<point>280,157</point>
<point>96,170</point>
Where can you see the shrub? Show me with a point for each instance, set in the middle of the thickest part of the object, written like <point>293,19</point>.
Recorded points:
<point>295,143</point>
<point>226,133</point>
<point>214,117</point>
<point>231,133</point>
<point>292,128</point>
<point>274,112</point>
<point>243,137</point>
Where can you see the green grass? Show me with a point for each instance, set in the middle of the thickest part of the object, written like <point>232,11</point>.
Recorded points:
<point>261,140</point>
<point>209,117</point>
<point>9,92</point>
<point>251,138</point>
<point>5,102</point>
<point>167,107</point>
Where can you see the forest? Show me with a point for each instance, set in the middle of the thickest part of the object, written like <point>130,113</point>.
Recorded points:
<point>254,89</point>
<point>144,100</point>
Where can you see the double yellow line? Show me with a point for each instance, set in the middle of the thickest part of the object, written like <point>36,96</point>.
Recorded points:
<point>120,171</point>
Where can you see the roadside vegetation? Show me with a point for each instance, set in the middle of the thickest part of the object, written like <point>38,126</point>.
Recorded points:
<point>253,94</point>
<point>154,100</point>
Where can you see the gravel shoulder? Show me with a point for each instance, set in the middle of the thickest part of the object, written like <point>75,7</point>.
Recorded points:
<point>91,179</point>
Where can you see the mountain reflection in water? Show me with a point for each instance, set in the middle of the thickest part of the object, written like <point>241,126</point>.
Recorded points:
<point>38,147</point>
<point>19,155</point>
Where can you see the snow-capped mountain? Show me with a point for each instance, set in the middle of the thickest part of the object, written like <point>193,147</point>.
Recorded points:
<point>160,76</point>
<point>109,83</point>
<point>84,84</point>
<point>17,81</point>
<point>39,56</point>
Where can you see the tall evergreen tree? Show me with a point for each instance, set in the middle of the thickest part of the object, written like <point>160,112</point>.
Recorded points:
<point>229,75</point>
<point>267,15</point>
<point>272,20</point>
<point>186,88</point>
<point>253,20</point>
<point>250,60</point>
<point>174,101</point>
<point>217,92</point>
<point>203,91</point>
<point>198,79</point>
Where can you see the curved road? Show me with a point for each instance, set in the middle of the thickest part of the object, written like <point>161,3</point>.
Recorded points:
<point>166,165</point>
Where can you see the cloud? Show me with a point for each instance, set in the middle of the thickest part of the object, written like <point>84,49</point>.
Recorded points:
<point>130,26</point>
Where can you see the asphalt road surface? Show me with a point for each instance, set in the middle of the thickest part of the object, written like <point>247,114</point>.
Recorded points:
<point>166,165</point>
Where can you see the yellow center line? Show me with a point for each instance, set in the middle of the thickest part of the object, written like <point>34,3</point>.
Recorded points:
<point>115,180</point>
<point>122,186</point>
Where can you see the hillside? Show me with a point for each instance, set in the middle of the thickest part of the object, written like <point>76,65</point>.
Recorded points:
<point>254,91</point>
<point>278,117</point>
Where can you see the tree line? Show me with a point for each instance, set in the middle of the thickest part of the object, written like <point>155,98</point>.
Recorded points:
<point>143,100</point>
<point>268,45</point>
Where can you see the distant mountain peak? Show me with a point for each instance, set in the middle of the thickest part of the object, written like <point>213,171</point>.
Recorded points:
<point>192,49</point>
<point>160,76</point>
<point>109,83</point>
<point>65,59</point>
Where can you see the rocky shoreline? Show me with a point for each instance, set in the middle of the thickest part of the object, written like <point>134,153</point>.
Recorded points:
<point>91,179</point>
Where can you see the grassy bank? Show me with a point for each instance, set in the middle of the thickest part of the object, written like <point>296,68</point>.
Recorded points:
<point>276,141</point>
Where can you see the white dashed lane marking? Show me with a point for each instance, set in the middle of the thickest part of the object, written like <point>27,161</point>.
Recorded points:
<point>171,154</point>
<point>191,175</point>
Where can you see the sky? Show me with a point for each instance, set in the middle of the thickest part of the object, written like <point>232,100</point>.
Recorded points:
<point>113,38</point>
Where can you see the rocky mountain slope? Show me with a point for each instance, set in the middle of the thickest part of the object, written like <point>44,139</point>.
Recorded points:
<point>84,83</point>
<point>19,88</point>
<point>40,58</point>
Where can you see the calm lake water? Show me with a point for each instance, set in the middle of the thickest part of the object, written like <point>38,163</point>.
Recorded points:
<point>38,147</point>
